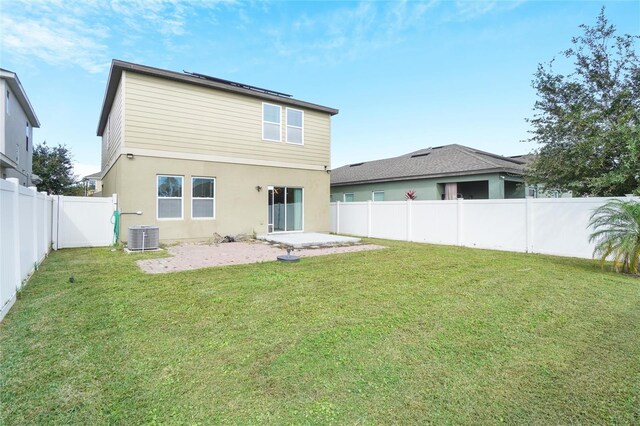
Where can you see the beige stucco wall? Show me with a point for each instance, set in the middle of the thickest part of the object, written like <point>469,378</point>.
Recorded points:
<point>239,207</point>
<point>179,120</point>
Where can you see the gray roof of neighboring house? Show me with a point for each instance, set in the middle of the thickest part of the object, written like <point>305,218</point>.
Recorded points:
<point>14,83</point>
<point>118,66</point>
<point>447,160</point>
<point>96,175</point>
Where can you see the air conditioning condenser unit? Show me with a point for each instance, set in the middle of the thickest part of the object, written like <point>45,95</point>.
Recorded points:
<point>143,237</point>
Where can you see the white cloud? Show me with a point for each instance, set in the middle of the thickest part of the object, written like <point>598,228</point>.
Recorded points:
<point>83,169</point>
<point>468,10</point>
<point>55,32</point>
<point>348,32</point>
<point>62,42</point>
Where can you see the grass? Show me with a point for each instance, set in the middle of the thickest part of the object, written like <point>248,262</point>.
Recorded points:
<point>410,334</point>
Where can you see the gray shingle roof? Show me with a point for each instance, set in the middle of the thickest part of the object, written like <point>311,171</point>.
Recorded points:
<point>447,160</point>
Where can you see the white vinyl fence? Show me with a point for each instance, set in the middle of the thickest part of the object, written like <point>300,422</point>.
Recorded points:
<point>32,223</point>
<point>557,226</point>
<point>83,221</point>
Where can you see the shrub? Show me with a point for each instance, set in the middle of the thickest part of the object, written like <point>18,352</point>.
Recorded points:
<point>616,232</point>
<point>411,194</point>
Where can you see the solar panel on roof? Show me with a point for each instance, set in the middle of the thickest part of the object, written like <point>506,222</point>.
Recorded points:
<point>236,84</point>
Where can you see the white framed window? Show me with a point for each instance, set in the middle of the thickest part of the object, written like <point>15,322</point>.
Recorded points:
<point>27,132</point>
<point>295,126</point>
<point>169,196</point>
<point>203,197</point>
<point>271,119</point>
<point>377,196</point>
<point>7,103</point>
<point>348,197</point>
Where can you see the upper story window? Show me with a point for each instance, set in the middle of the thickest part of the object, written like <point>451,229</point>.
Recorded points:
<point>7,102</point>
<point>295,119</point>
<point>27,133</point>
<point>271,118</point>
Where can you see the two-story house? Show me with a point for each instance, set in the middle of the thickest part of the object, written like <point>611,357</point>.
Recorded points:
<point>17,120</point>
<point>198,155</point>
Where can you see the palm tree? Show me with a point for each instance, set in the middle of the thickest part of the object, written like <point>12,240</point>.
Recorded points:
<point>616,232</point>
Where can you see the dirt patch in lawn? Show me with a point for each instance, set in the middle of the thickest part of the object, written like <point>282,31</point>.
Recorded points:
<point>196,256</point>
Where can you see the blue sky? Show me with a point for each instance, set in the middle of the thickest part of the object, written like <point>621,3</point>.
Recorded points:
<point>404,75</point>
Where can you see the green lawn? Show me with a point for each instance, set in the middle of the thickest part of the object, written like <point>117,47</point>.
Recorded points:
<point>410,334</point>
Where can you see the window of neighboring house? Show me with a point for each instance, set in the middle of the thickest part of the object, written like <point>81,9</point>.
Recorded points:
<point>7,102</point>
<point>348,197</point>
<point>295,119</point>
<point>532,192</point>
<point>203,202</point>
<point>169,190</point>
<point>271,117</point>
<point>377,196</point>
<point>27,132</point>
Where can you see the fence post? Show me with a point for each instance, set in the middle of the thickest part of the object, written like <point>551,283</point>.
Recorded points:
<point>460,218</point>
<point>529,224</point>
<point>337,217</point>
<point>369,218</point>
<point>34,221</point>
<point>60,222</point>
<point>408,217</point>
<point>17,277</point>
<point>44,223</point>
<point>54,221</point>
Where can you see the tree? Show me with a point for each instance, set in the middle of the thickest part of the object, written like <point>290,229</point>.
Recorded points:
<point>53,166</point>
<point>616,226</point>
<point>588,121</point>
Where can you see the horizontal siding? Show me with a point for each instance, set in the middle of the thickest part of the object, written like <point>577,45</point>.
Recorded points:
<point>112,135</point>
<point>165,115</point>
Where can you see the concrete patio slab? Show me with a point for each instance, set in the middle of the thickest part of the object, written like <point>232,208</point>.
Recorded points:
<point>308,239</point>
<point>194,256</point>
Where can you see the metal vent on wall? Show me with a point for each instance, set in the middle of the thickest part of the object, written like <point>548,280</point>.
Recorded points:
<point>143,237</point>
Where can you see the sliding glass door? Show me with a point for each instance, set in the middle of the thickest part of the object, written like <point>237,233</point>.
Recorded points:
<point>285,209</point>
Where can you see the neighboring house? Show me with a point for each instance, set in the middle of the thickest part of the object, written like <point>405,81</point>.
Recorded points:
<point>198,155</point>
<point>93,184</point>
<point>439,173</point>
<point>17,123</point>
<point>538,190</point>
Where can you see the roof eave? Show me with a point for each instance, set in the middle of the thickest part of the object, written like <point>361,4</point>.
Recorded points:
<point>15,85</point>
<point>118,66</point>
<point>115,73</point>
